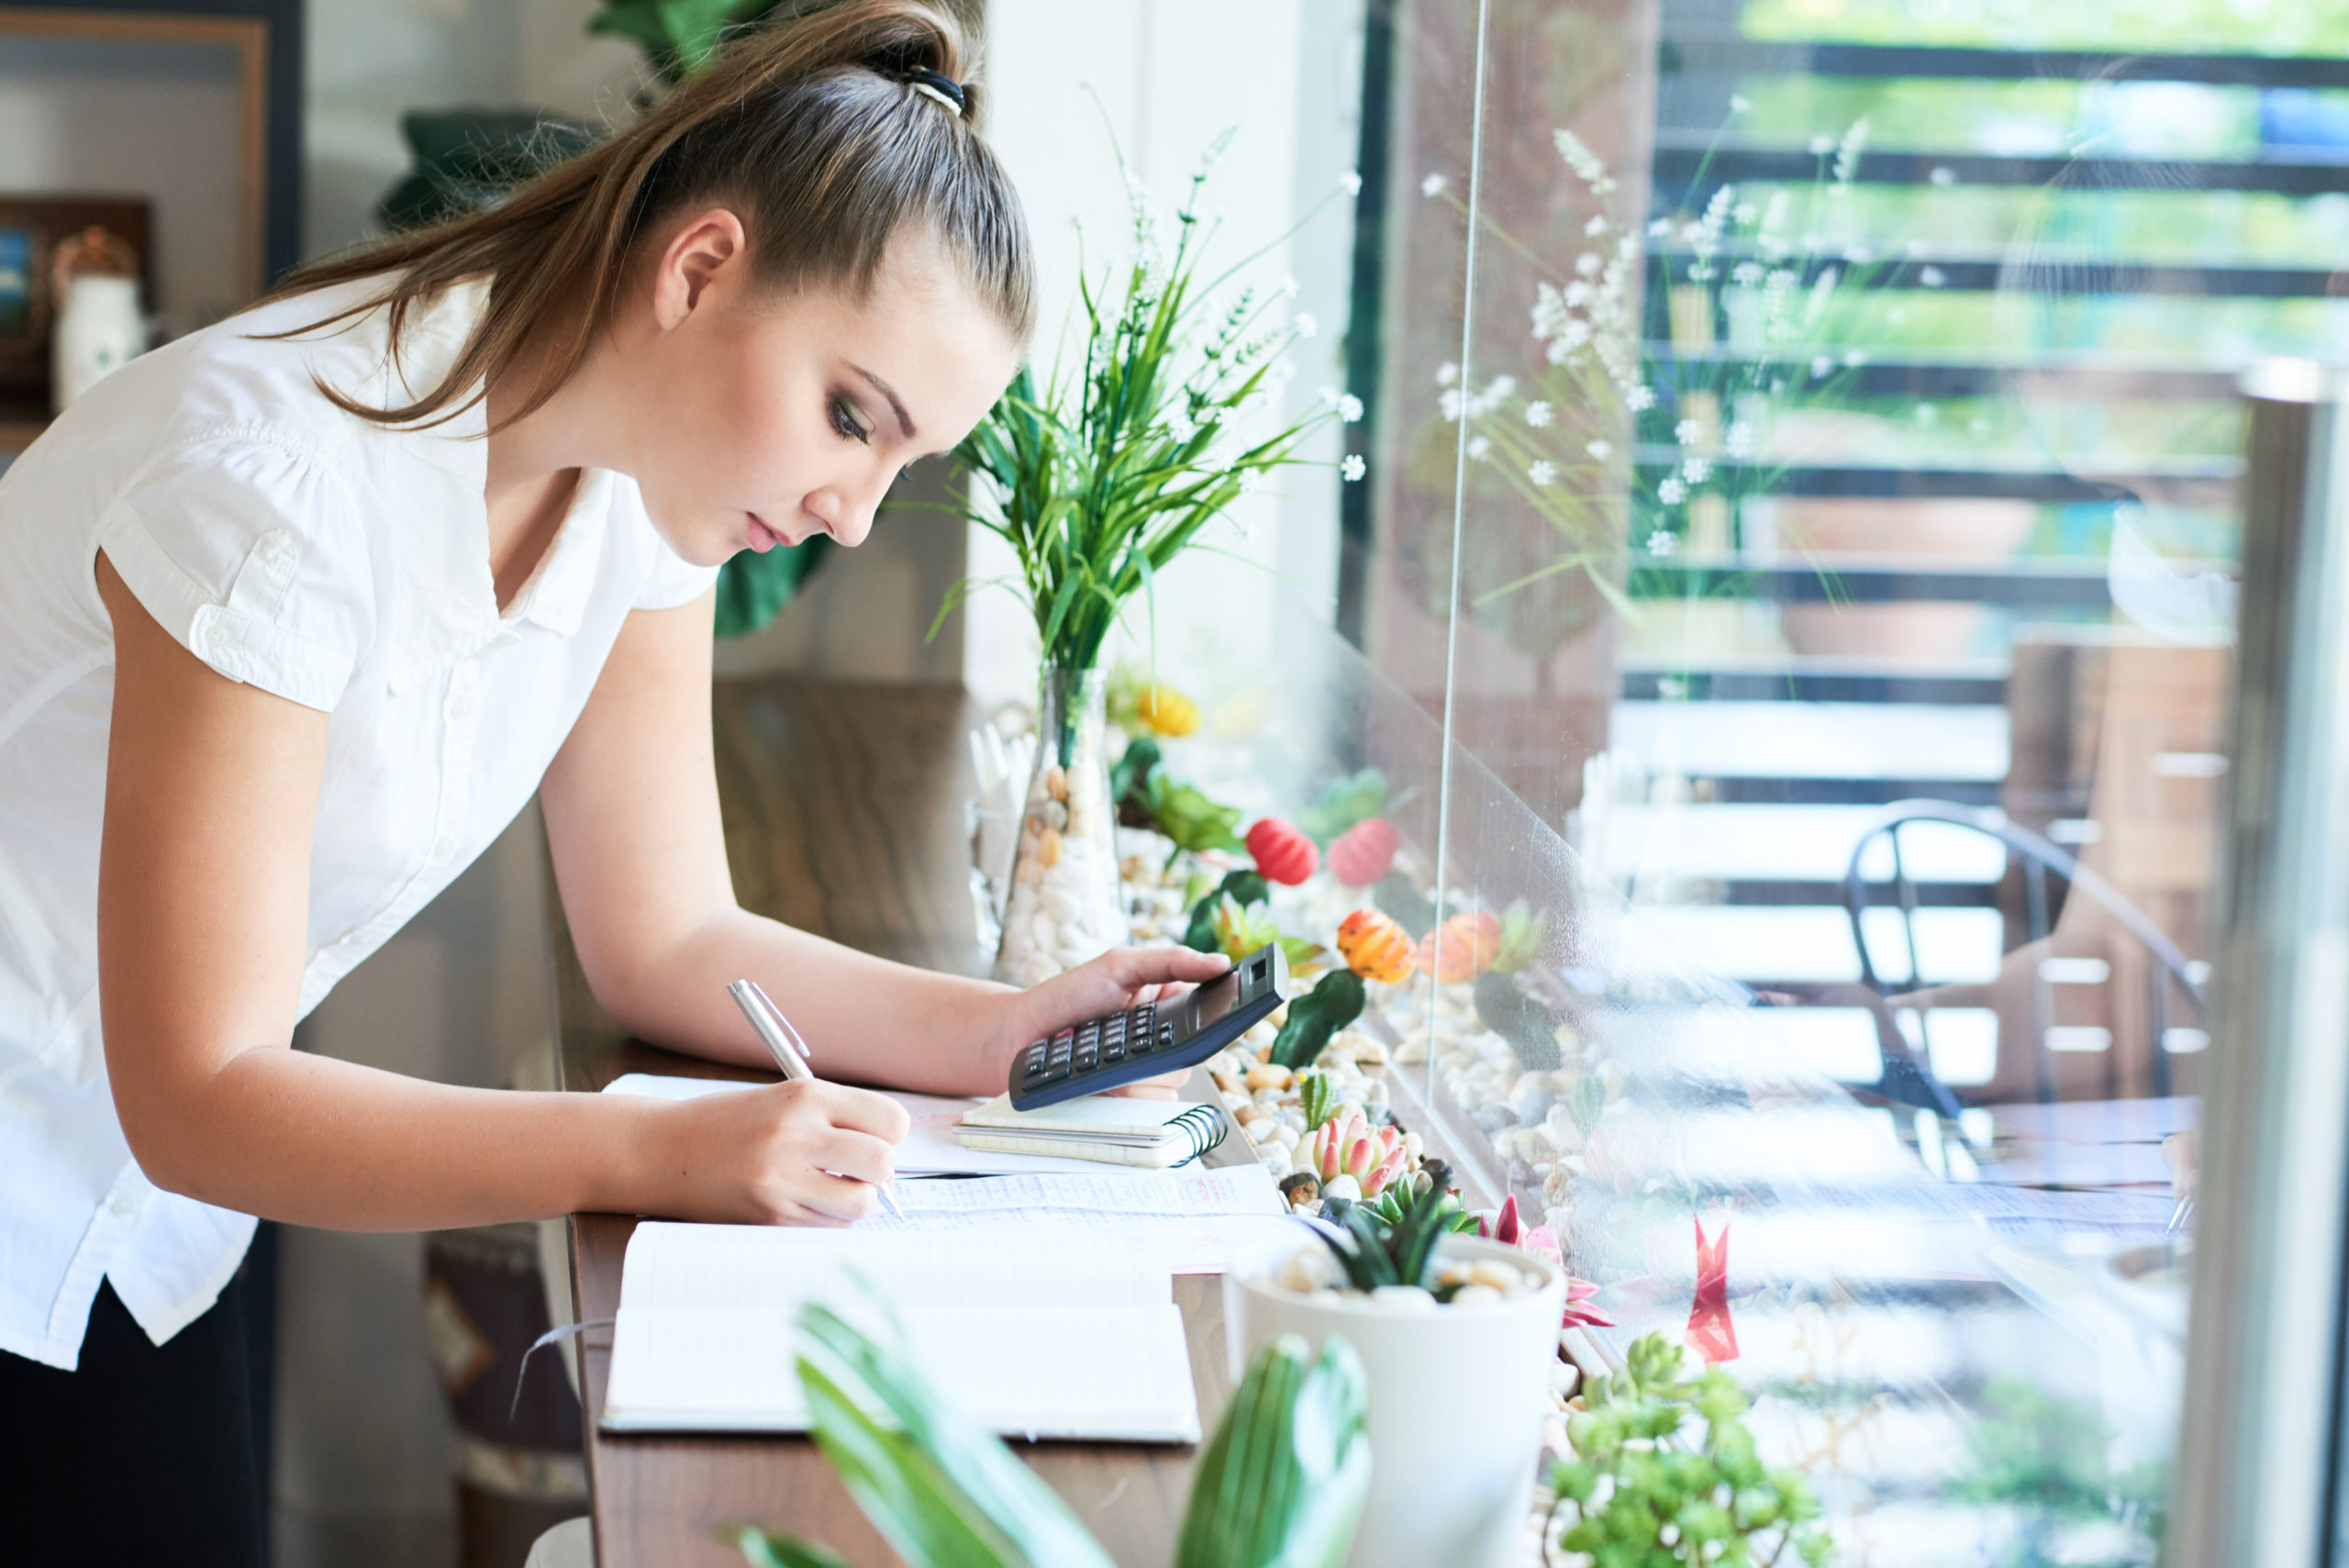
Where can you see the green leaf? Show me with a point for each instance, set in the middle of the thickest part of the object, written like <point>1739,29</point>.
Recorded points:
<point>764,1551</point>
<point>1397,896</point>
<point>944,1491</point>
<point>1343,803</point>
<point>1130,776</point>
<point>753,588</point>
<point>1282,1482</point>
<point>1313,1018</point>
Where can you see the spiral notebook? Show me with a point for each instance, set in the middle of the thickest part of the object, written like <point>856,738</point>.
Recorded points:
<point>1114,1128</point>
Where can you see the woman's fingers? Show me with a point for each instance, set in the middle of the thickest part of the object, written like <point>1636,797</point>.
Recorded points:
<point>865,1111</point>
<point>1136,967</point>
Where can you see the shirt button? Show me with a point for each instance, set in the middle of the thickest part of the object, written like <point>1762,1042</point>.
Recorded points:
<point>461,706</point>
<point>444,846</point>
<point>121,1205</point>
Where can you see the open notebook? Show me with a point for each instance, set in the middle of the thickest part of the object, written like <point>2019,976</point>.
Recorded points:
<point>1032,1337</point>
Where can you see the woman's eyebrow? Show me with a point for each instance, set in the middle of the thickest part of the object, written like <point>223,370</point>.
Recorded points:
<point>905,420</point>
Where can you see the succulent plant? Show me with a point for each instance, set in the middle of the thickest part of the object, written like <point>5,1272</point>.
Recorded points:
<point>1373,1157</point>
<point>1375,1251</point>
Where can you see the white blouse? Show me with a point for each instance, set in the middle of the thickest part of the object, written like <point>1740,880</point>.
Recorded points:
<point>311,553</point>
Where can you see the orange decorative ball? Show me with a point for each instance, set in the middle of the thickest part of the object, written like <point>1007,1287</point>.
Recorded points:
<point>1375,947</point>
<point>1282,853</point>
<point>1464,949</point>
<point>1365,853</point>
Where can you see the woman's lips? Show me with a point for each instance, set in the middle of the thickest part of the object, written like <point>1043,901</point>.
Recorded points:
<point>763,538</point>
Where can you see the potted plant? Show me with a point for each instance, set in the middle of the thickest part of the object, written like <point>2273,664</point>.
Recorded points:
<point>1456,1335</point>
<point>1097,476</point>
<point>1279,1485</point>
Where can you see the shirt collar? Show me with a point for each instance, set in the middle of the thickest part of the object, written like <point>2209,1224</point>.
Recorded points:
<point>555,597</point>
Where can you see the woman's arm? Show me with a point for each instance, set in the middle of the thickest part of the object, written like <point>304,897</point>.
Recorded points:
<point>203,898</point>
<point>631,809</point>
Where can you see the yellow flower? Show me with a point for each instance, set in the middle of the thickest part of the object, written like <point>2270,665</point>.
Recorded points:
<point>1167,711</point>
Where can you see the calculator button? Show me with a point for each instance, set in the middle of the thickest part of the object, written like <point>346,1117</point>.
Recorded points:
<point>1114,1050</point>
<point>1166,1036</point>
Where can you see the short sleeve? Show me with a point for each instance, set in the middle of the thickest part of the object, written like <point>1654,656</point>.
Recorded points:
<point>249,555</point>
<point>668,579</point>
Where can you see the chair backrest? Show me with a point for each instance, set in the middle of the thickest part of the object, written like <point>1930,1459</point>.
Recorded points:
<point>2039,858</point>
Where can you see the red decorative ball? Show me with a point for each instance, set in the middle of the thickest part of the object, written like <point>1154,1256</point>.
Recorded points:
<point>1363,853</point>
<point>1283,854</point>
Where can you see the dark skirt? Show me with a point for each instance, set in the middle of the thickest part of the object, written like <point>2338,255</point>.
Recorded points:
<point>144,1454</point>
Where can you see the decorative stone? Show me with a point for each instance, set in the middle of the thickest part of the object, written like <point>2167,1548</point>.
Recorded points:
<point>1301,1187</point>
<point>1056,782</point>
<point>1048,849</point>
<point>1475,1296</point>
<point>1342,1185</point>
<point>1270,1076</point>
<point>1401,1297</point>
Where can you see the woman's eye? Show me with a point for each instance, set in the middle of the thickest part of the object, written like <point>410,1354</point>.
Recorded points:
<point>845,421</point>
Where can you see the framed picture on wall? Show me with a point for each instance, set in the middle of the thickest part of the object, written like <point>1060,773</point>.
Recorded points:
<point>31,229</point>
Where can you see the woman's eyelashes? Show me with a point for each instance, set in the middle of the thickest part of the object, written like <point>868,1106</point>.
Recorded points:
<point>847,422</point>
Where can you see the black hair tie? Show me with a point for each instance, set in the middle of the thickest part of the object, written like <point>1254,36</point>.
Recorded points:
<point>938,85</point>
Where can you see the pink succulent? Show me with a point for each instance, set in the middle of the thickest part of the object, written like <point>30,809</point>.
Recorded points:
<point>1579,1310</point>
<point>1383,1175</point>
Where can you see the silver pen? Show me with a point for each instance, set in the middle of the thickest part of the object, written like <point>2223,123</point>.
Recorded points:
<point>789,1050</point>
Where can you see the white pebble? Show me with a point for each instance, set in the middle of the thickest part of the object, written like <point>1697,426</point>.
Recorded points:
<point>1402,1299</point>
<point>1475,1296</point>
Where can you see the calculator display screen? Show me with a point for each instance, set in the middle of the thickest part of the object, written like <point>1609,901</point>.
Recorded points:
<point>1246,981</point>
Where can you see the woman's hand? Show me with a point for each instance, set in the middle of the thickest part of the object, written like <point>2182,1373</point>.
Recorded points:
<point>1118,979</point>
<point>803,1153</point>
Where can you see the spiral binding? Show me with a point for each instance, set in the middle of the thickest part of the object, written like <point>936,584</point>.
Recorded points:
<point>1206,1126</point>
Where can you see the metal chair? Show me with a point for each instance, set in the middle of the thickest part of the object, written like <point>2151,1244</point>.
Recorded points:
<point>2038,857</point>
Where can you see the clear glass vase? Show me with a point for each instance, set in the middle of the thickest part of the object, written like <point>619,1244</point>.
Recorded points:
<point>1066,903</point>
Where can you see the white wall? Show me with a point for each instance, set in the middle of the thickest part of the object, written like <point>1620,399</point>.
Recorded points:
<point>1173,74</point>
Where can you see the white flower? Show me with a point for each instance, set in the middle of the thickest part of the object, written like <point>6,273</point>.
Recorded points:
<point>1859,255</point>
<point>1596,227</point>
<point>1687,430</point>
<point>1289,286</point>
<point>1252,481</point>
<point>1304,325</point>
<point>1854,357</point>
<point>1847,155</point>
<point>1353,469</point>
<point>1349,409</point>
<point>1663,542</point>
<point>1537,415</point>
<point>1821,146</point>
<point>1449,401</point>
<point>1821,365</point>
<point>1582,160</point>
<point>1747,273</point>
<point>1446,373</point>
<point>1695,471</point>
<point>1480,447</point>
<point>1600,450</point>
<point>1739,102</point>
<point>1542,472</point>
<point>1672,492</point>
<point>1659,229</point>
<point>1640,398</point>
<point>1931,277</point>
<point>1928,414</point>
<point>1588,264</point>
<point>1747,212</point>
<point>1942,174</point>
<point>1739,439</point>
<point>1433,185</point>
<point>1351,183</point>
<point>1180,425</point>
<point>1501,388</point>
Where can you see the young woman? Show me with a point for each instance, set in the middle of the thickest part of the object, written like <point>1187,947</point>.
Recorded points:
<point>297,612</point>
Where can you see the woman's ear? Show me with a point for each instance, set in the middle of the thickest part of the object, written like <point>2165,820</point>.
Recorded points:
<point>704,247</point>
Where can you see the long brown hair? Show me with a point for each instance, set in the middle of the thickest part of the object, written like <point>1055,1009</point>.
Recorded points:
<point>810,125</point>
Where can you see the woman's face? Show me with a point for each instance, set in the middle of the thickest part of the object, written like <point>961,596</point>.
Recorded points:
<point>754,418</point>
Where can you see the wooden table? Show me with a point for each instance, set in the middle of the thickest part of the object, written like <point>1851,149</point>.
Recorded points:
<point>845,817</point>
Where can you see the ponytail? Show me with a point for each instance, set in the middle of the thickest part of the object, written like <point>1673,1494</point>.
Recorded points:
<point>831,128</point>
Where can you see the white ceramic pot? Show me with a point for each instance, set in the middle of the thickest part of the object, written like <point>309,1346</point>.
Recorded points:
<point>98,330</point>
<point>1456,1401</point>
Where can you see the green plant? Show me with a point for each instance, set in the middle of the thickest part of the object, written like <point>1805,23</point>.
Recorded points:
<point>1377,1246</point>
<point>1336,1001</point>
<point>1346,803</point>
<point>2045,1458</point>
<point>678,36</point>
<point>1280,1485</point>
<point>1318,1097</point>
<point>1150,797</point>
<point>1102,473</point>
<point>1664,1471</point>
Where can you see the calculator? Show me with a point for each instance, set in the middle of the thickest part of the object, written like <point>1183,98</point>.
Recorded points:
<point>1157,1036</point>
